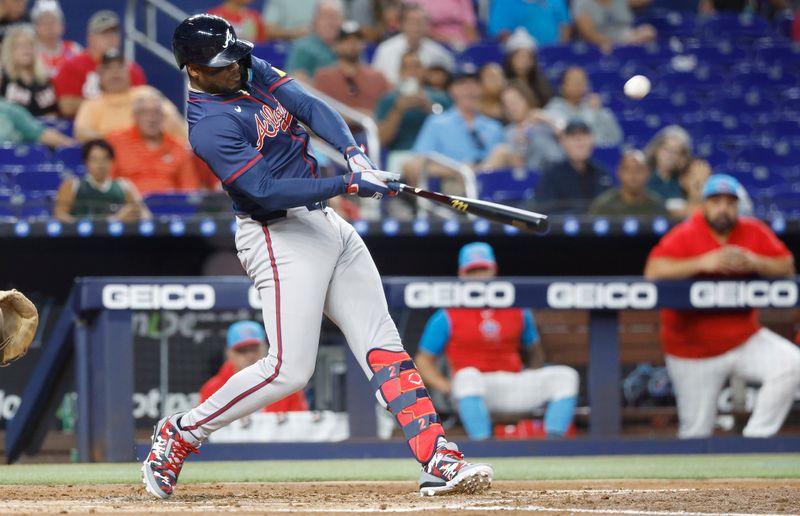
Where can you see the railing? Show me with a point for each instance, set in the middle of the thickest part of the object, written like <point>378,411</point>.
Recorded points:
<point>149,39</point>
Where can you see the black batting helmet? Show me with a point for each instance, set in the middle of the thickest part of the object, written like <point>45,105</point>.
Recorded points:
<point>208,40</point>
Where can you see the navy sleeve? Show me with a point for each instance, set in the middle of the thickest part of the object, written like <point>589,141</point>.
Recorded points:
<point>220,142</point>
<point>316,114</point>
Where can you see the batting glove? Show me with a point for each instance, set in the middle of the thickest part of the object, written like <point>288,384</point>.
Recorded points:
<point>372,183</point>
<point>357,159</point>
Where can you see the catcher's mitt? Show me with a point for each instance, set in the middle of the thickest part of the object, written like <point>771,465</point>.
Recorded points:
<point>18,322</point>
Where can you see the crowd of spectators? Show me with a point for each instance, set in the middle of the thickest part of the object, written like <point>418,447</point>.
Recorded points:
<point>424,96</point>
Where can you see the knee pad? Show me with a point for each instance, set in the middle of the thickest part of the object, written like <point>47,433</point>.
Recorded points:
<point>397,380</point>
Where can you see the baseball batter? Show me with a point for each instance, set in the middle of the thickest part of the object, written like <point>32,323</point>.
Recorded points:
<point>244,122</point>
<point>482,348</point>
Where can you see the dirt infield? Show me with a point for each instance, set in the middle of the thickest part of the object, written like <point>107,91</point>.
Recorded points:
<point>654,497</point>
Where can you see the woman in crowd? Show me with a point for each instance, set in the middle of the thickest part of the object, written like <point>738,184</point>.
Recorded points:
<point>522,64</point>
<point>668,155</point>
<point>609,23</point>
<point>48,22</point>
<point>23,78</point>
<point>530,139</point>
<point>578,102</point>
<point>492,83</point>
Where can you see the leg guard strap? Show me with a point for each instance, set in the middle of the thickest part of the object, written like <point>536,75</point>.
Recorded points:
<point>419,425</point>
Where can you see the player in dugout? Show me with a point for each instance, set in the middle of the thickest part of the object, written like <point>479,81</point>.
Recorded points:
<point>483,347</point>
<point>703,349</point>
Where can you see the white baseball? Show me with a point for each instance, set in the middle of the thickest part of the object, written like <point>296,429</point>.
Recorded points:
<point>637,87</point>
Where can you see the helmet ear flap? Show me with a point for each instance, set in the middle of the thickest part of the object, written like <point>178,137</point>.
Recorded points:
<point>246,67</point>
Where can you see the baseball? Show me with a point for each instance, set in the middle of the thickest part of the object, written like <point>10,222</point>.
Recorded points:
<point>637,87</point>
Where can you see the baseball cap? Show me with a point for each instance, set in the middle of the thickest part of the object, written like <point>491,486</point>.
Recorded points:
<point>103,20</point>
<point>576,125</point>
<point>46,7</point>
<point>722,184</point>
<point>243,333</point>
<point>465,71</point>
<point>477,255</point>
<point>520,38</point>
<point>350,28</point>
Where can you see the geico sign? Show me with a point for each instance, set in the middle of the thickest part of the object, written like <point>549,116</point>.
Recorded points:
<point>470,294</point>
<point>743,294</point>
<point>155,297</point>
<point>613,295</point>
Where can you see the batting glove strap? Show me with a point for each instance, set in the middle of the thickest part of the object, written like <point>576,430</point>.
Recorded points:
<point>357,159</point>
<point>372,183</point>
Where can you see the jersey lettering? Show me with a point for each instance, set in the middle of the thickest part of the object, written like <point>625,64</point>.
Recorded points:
<point>269,121</point>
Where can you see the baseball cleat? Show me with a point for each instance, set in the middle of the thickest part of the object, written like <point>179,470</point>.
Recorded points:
<point>163,465</point>
<point>448,472</point>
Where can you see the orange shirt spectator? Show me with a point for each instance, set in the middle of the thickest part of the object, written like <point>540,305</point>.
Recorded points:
<point>247,22</point>
<point>151,159</point>
<point>77,80</point>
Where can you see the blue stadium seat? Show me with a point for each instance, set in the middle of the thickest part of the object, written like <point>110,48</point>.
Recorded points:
<point>738,106</point>
<point>575,53</point>
<point>482,53</point>
<point>24,154</point>
<point>36,211</point>
<point>38,180</point>
<point>606,80</point>
<point>172,204</point>
<point>274,53</point>
<point>608,157</point>
<point>787,55</point>
<point>507,185</point>
<point>723,53</point>
<point>670,23</point>
<point>70,157</point>
<point>739,26</point>
<point>771,77</point>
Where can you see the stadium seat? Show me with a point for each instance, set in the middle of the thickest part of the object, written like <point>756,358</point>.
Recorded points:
<point>575,53</point>
<point>743,27</point>
<point>70,157</point>
<point>38,180</point>
<point>172,204</point>
<point>784,55</point>
<point>723,53</point>
<point>482,53</point>
<point>274,53</point>
<point>608,157</point>
<point>671,23</point>
<point>507,185</point>
<point>24,155</point>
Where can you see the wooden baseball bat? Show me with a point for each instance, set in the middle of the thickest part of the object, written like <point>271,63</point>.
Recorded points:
<point>521,219</point>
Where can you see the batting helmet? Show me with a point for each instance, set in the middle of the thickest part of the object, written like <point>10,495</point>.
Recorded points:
<point>208,40</point>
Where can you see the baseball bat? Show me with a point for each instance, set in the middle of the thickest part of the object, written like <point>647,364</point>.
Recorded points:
<point>521,219</point>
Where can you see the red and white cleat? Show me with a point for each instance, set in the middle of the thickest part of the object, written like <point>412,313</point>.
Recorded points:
<point>163,465</point>
<point>448,472</point>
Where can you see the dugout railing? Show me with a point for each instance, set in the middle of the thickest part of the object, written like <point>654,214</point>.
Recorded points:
<point>93,339</point>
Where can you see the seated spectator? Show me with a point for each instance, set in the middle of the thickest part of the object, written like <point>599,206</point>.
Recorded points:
<point>113,109</point>
<point>96,195</point>
<point>495,360</point>
<point>23,77</point>
<point>453,22</point>
<point>76,80</point>
<point>48,22</point>
<point>246,21</point>
<point>703,349</point>
<point>609,23</point>
<point>522,65</point>
<point>247,344</point>
<point>402,112</point>
<point>531,140</point>
<point>691,182</point>
<point>150,157</point>
<point>436,77</point>
<point>17,125</point>
<point>289,19</point>
<point>548,21</point>
<point>414,37</point>
<point>349,80</point>
<point>576,101</point>
<point>668,154</point>
<point>569,186</point>
<point>11,13</point>
<point>461,133</point>
<point>316,49</point>
<point>632,196</point>
<point>376,17</point>
<point>492,83</point>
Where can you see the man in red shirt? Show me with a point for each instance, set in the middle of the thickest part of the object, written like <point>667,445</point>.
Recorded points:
<point>482,347</point>
<point>76,79</point>
<point>247,344</point>
<point>704,349</point>
<point>246,21</point>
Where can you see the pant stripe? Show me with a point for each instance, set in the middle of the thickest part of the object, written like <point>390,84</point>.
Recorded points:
<point>274,375</point>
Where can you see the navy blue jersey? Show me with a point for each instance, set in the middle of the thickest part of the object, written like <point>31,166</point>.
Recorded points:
<point>254,143</point>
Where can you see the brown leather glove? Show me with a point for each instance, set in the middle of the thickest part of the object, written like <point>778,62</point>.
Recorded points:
<point>18,322</point>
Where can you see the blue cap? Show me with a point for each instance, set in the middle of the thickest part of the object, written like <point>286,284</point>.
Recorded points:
<point>722,184</point>
<point>243,333</point>
<point>477,255</point>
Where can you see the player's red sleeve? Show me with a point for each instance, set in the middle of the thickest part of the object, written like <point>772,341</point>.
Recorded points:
<point>767,242</point>
<point>69,81</point>
<point>137,75</point>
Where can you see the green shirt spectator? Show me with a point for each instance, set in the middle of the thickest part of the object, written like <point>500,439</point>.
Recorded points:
<point>316,50</point>
<point>413,117</point>
<point>17,125</point>
<point>632,197</point>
